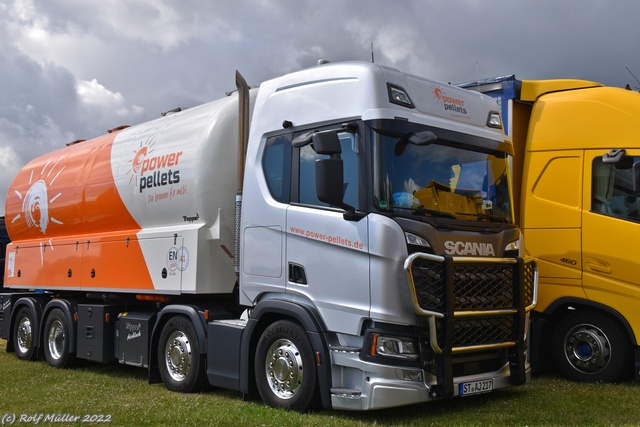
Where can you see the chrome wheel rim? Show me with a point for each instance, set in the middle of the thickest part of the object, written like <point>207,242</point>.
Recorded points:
<point>56,340</point>
<point>178,356</point>
<point>587,349</point>
<point>25,335</point>
<point>284,369</point>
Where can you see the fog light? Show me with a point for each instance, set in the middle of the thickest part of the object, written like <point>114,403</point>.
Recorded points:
<point>408,375</point>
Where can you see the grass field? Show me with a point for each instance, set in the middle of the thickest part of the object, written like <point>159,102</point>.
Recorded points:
<point>121,396</point>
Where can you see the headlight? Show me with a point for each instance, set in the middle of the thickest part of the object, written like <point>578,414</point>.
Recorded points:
<point>514,246</point>
<point>399,96</point>
<point>412,239</point>
<point>493,121</point>
<point>393,347</point>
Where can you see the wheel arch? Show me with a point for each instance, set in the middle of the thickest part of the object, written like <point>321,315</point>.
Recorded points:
<point>266,313</point>
<point>563,306</point>
<point>162,317</point>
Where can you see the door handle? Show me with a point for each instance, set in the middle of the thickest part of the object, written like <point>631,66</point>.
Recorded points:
<point>297,274</point>
<point>598,265</point>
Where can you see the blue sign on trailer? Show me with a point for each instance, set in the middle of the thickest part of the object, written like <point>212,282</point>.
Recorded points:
<point>502,89</point>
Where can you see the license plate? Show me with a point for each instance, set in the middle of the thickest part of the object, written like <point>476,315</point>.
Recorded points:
<point>476,387</point>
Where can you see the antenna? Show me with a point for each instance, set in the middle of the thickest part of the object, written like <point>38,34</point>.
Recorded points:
<point>372,59</point>
<point>634,76</point>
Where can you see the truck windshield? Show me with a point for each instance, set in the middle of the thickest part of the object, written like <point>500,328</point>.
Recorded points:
<point>440,179</point>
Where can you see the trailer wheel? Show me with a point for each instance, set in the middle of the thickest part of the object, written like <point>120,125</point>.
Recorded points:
<point>284,367</point>
<point>180,362</point>
<point>56,340</point>
<point>24,335</point>
<point>589,347</point>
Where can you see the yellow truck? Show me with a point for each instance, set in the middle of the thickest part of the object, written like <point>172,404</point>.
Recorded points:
<point>577,185</point>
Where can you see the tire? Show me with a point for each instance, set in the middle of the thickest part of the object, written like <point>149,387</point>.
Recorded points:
<point>57,334</point>
<point>24,334</point>
<point>285,369</point>
<point>590,347</point>
<point>179,359</point>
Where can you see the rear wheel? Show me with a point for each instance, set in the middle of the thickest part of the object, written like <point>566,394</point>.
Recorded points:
<point>57,334</point>
<point>590,347</point>
<point>179,359</point>
<point>24,334</point>
<point>284,367</point>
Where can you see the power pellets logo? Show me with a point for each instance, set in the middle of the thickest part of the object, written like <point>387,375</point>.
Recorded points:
<point>150,170</point>
<point>449,103</point>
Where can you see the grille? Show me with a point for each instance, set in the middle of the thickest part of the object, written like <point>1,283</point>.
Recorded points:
<point>475,286</point>
<point>481,331</point>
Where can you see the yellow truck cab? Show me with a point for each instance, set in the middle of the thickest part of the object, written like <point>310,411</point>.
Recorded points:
<point>577,172</point>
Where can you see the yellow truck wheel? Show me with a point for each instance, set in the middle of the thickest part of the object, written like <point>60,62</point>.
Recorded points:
<point>590,347</point>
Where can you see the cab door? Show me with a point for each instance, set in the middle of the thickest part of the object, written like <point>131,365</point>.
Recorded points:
<point>611,232</point>
<point>327,255</point>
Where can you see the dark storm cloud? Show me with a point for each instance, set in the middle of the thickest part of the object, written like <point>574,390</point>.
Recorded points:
<point>73,69</point>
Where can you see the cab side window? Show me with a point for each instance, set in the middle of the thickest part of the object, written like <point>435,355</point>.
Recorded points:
<point>307,177</point>
<point>613,191</point>
<point>276,163</point>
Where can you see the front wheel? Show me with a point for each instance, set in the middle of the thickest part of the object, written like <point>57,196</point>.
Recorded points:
<point>56,340</point>
<point>285,368</point>
<point>590,347</point>
<point>179,359</point>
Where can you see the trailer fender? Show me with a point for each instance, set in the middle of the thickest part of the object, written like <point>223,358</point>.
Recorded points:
<point>265,313</point>
<point>36,305</point>
<point>165,313</point>
<point>69,309</point>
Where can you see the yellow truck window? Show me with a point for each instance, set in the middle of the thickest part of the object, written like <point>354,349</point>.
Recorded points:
<point>614,189</point>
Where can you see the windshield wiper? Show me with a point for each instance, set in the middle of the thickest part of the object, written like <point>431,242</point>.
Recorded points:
<point>484,216</point>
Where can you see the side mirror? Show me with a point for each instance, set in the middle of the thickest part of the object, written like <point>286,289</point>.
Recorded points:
<point>326,143</point>
<point>636,177</point>
<point>615,155</point>
<point>330,182</point>
<point>420,139</point>
<point>330,187</point>
<point>329,172</point>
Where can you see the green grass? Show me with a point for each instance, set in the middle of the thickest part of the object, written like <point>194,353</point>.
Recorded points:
<point>28,388</point>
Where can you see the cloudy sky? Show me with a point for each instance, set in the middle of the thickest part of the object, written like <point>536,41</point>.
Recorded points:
<point>72,69</point>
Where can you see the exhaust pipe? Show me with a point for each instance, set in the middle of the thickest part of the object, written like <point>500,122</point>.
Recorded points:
<point>243,139</point>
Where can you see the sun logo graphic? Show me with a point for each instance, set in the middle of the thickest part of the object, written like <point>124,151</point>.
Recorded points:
<point>437,92</point>
<point>36,201</point>
<point>146,149</point>
<point>138,158</point>
<point>450,104</point>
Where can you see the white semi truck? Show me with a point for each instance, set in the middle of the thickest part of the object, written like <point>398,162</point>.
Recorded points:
<point>342,237</point>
